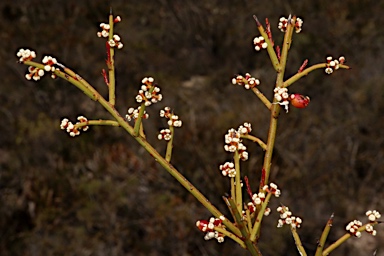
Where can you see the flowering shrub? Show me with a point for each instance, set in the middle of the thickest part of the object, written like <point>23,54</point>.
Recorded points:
<point>244,224</point>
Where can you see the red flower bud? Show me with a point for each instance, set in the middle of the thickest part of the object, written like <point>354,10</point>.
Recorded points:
<point>202,225</point>
<point>299,101</point>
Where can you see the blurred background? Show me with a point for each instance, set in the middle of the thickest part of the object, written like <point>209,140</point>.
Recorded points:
<point>101,194</point>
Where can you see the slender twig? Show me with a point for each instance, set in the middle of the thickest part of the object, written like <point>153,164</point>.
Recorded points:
<point>111,63</point>
<point>271,51</point>
<point>298,243</point>
<point>324,236</point>
<point>168,153</point>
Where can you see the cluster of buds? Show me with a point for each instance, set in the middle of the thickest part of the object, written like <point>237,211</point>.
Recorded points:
<point>208,227</point>
<point>74,129</point>
<point>228,169</point>
<point>245,128</point>
<point>273,189</point>
<point>115,41</point>
<point>133,113</point>
<point>149,93</point>
<point>248,81</point>
<point>282,97</point>
<point>173,119</point>
<point>34,73</point>
<point>283,23</point>
<point>233,143</point>
<point>333,65</point>
<point>259,198</point>
<point>164,134</point>
<point>353,226</point>
<point>259,43</point>
<point>25,55</point>
<point>49,65</point>
<point>287,218</point>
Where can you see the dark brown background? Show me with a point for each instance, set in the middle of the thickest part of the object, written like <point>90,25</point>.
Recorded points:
<point>100,194</point>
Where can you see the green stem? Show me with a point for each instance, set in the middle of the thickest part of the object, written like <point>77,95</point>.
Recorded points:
<point>260,215</point>
<point>139,119</point>
<point>239,196</point>
<point>232,236</point>
<point>271,51</point>
<point>261,96</point>
<point>324,235</point>
<point>298,242</point>
<point>343,239</point>
<point>275,110</point>
<point>252,247</point>
<point>111,64</point>
<point>255,139</point>
<point>306,71</point>
<point>98,122</point>
<point>168,153</point>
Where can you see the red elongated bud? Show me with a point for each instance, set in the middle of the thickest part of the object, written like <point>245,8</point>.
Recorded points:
<point>299,101</point>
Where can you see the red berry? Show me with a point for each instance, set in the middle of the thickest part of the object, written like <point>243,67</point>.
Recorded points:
<point>299,101</point>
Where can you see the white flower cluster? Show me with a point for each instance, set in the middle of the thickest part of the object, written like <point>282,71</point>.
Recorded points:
<point>373,215</point>
<point>245,128</point>
<point>105,30</point>
<point>259,43</point>
<point>228,169</point>
<point>273,189</point>
<point>353,227</point>
<point>208,228</point>
<point>233,143</point>
<point>282,97</point>
<point>115,41</point>
<point>34,73</point>
<point>25,55</point>
<point>148,92</point>
<point>283,23</point>
<point>164,134</point>
<point>248,81</point>
<point>333,65</point>
<point>74,129</point>
<point>133,113</point>
<point>173,119</point>
<point>287,218</point>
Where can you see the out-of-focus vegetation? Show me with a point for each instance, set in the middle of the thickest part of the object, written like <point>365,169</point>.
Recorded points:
<point>100,194</point>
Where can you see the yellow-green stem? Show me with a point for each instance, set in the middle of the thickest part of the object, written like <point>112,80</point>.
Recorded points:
<point>251,246</point>
<point>168,153</point>
<point>239,196</point>
<point>298,242</point>
<point>111,65</point>
<point>271,51</point>
<point>345,238</point>
<point>261,96</point>
<point>232,236</point>
<point>275,110</point>
<point>306,71</point>
<point>255,139</point>
<point>260,215</point>
<point>324,235</point>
